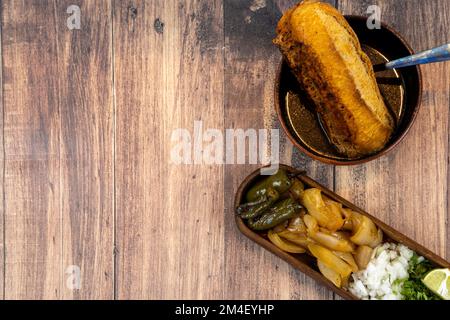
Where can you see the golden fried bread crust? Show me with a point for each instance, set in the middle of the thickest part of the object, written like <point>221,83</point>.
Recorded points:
<point>325,55</point>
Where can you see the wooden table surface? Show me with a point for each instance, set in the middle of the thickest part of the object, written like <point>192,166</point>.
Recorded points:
<point>86,123</point>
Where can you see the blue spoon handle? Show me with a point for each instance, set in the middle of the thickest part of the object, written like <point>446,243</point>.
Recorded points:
<point>437,54</point>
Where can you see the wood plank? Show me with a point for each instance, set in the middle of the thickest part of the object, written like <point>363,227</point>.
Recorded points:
<point>2,167</point>
<point>58,147</point>
<point>31,126</point>
<point>250,65</point>
<point>408,188</point>
<point>86,148</point>
<point>168,73</point>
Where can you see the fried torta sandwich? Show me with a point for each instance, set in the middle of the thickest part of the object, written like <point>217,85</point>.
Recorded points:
<point>326,57</point>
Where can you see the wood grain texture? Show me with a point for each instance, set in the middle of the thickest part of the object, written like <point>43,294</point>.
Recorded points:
<point>168,66</point>
<point>58,150</point>
<point>86,173</point>
<point>85,98</point>
<point>2,168</point>
<point>251,61</point>
<point>408,189</point>
<point>31,142</point>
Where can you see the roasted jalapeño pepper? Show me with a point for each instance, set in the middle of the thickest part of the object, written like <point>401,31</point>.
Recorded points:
<point>254,209</point>
<point>278,213</point>
<point>279,181</point>
<point>297,189</point>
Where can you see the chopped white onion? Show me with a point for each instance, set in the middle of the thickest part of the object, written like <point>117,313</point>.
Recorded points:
<point>378,280</point>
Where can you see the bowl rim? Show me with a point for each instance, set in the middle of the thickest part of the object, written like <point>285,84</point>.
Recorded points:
<point>374,156</point>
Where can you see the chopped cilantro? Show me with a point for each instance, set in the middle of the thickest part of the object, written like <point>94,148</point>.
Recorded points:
<point>413,288</point>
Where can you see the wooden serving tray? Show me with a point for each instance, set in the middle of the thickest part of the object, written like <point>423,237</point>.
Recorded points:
<point>306,263</point>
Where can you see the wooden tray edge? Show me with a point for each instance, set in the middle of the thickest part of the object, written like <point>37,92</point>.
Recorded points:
<point>306,269</point>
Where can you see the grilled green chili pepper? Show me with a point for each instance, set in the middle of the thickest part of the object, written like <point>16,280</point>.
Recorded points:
<point>279,181</point>
<point>255,209</point>
<point>297,189</point>
<point>280,212</point>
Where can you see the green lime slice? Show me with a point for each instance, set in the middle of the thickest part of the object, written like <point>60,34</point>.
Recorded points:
<point>438,281</point>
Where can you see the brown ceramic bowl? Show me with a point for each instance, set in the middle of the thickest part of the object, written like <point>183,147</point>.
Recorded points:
<point>306,263</point>
<point>401,90</point>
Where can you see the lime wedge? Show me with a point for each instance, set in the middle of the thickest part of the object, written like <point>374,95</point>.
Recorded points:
<point>438,281</point>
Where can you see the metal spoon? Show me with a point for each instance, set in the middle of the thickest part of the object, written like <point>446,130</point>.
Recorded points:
<point>437,54</point>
